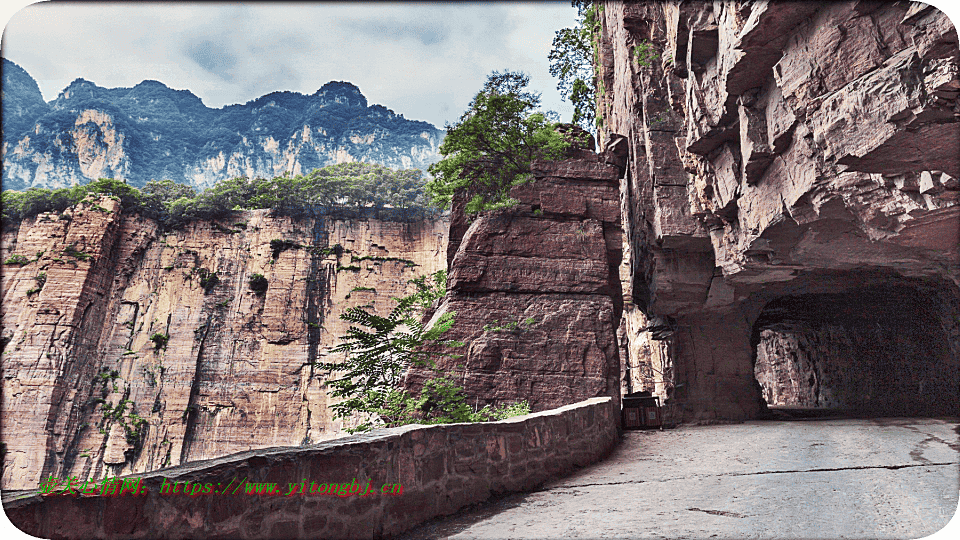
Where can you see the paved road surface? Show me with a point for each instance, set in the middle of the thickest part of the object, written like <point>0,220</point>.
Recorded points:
<point>824,478</point>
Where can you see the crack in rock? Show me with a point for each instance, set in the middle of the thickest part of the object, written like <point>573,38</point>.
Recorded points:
<point>718,512</point>
<point>824,469</point>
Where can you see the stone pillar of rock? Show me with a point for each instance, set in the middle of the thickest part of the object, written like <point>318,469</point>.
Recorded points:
<point>536,292</point>
<point>781,149</point>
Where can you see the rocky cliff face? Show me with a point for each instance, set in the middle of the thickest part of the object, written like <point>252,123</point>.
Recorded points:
<point>152,132</point>
<point>140,349</point>
<point>536,292</point>
<point>789,152</point>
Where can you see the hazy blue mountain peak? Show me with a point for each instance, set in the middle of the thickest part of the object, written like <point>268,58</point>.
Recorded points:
<point>154,132</point>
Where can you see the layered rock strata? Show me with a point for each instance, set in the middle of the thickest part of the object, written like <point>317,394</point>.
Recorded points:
<point>146,348</point>
<point>536,293</point>
<point>784,149</point>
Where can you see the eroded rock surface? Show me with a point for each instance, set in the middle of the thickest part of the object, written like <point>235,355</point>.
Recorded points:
<point>87,392</point>
<point>781,149</point>
<point>536,292</point>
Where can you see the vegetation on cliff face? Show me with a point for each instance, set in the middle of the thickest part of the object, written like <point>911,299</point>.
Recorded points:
<point>345,190</point>
<point>490,148</point>
<point>572,60</point>
<point>377,358</point>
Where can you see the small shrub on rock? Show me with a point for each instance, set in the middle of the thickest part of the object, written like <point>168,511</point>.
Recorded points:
<point>159,340</point>
<point>258,283</point>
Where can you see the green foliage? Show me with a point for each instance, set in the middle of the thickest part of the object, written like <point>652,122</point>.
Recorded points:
<point>441,401</point>
<point>429,289</point>
<point>16,258</point>
<point>514,327</point>
<point>644,54</point>
<point>134,428</point>
<point>159,340</point>
<point>379,354</point>
<point>134,425</point>
<point>41,280</point>
<point>347,190</point>
<point>277,246</point>
<point>572,60</point>
<point>490,148</point>
<point>208,279</point>
<point>258,283</point>
<point>335,249</point>
<point>71,251</point>
<point>361,289</point>
<point>377,258</point>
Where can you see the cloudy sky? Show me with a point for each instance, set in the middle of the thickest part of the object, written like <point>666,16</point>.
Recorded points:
<point>423,60</point>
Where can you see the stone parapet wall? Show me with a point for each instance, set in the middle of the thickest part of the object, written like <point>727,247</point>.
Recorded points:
<point>442,468</point>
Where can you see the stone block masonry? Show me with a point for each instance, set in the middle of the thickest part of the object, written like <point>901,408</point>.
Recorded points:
<point>442,468</point>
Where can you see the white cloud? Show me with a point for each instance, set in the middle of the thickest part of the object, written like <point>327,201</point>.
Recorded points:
<point>422,60</point>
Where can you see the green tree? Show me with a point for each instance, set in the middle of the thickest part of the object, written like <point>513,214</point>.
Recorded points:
<point>378,356</point>
<point>572,60</point>
<point>491,147</point>
<point>158,198</point>
<point>347,189</point>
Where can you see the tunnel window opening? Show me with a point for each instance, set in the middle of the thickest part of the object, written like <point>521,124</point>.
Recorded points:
<point>881,351</point>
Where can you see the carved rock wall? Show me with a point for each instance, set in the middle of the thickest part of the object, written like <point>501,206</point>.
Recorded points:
<point>883,350</point>
<point>777,149</point>
<point>80,370</point>
<point>536,293</point>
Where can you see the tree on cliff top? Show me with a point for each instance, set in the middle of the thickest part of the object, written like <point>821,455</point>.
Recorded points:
<point>571,60</point>
<point>346,189</point>
<point>492,145</point>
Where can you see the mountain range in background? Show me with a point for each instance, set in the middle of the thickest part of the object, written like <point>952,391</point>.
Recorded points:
<point>153,132</point>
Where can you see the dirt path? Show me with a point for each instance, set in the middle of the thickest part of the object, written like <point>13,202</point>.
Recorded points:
<point>838,478</point>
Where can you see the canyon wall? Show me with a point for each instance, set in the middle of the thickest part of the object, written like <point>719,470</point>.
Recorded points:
<point>791,152</point>
<point>140,349</point>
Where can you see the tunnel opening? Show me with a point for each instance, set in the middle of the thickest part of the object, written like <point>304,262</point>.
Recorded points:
<point>888,350</point>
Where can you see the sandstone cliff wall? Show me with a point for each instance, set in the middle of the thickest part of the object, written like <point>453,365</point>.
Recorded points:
<point>783,149</point>
<point>86,392</point>
<point>536,291</point>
